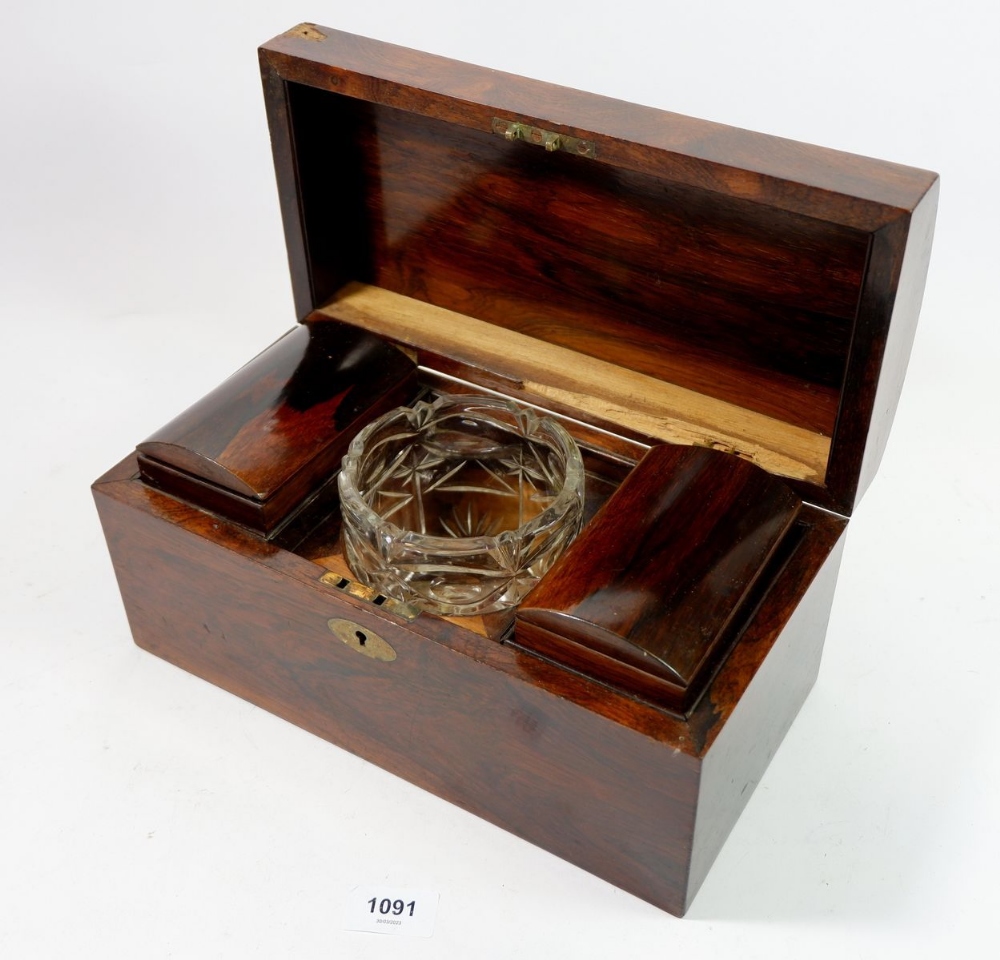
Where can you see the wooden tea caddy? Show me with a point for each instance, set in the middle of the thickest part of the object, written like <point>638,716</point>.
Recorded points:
<point>720,310</point>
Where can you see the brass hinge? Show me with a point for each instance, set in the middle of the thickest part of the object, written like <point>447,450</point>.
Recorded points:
<point>514,130</point>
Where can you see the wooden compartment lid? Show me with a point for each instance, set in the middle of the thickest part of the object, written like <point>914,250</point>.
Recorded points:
<point>673,278</point>
<point>660,584</point>
<point>259,445</point>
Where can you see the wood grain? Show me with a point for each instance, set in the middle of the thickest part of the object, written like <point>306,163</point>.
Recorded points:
<point>598,778</point>
<point>655,589</point>
<point>757,271</point>
<point>257,446</point>
<point>752,306</point>
<point>840,187</point>
<point>552,373</point>
<point>693,282</point>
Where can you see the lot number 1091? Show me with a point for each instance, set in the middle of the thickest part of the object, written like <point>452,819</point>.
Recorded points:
<point>386,906</point>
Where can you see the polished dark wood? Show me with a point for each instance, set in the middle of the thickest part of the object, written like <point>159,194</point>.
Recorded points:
<point>780,278</point>
<point>606,262</point>
<point>610,783</point>
<point>263,442</point>
<point>828,184</point>
<point>755,270</point>
<point>655,590</point>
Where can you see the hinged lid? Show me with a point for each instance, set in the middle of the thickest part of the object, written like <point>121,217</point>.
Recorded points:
<point>657,587</point>
<point>256,448</point>
<point>674,278</point>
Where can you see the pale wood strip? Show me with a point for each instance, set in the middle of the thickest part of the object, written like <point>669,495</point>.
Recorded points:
<point>594,387</point>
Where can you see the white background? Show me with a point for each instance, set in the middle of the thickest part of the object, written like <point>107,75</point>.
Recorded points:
<point>146,814</point>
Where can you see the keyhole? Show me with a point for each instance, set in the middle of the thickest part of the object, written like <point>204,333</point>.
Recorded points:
<point>362,639</point>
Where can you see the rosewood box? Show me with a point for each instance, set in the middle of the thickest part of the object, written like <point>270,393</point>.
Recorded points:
<point>721,319</point>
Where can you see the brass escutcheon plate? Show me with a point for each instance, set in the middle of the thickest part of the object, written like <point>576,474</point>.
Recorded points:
<point>361,639</point>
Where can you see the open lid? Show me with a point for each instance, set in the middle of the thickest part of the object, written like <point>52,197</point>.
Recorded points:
<point>705,284</point>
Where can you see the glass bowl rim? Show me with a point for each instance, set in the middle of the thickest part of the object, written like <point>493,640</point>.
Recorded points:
<point>572,487</point>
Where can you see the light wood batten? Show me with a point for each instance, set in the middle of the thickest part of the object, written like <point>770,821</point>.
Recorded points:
<point>596,388</point>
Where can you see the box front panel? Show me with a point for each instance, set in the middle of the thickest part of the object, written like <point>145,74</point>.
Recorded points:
<point>611,799</point>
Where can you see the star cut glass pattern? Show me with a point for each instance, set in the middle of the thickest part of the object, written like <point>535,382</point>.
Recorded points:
<point>461,505</point>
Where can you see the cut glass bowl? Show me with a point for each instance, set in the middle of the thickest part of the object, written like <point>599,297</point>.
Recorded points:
<point>461,505</point>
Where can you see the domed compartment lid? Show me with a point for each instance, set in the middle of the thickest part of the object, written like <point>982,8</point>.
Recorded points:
<point>259,445</point>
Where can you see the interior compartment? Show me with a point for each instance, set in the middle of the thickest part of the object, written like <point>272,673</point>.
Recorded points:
<point>317,537</point>
<point>226,430</point>
<point>263,449</point>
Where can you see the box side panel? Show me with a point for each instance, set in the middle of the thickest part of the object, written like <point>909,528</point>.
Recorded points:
<point>883,335</point>
<point>608,798</point>
<point>740,754</point>
<point>895,357</point>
